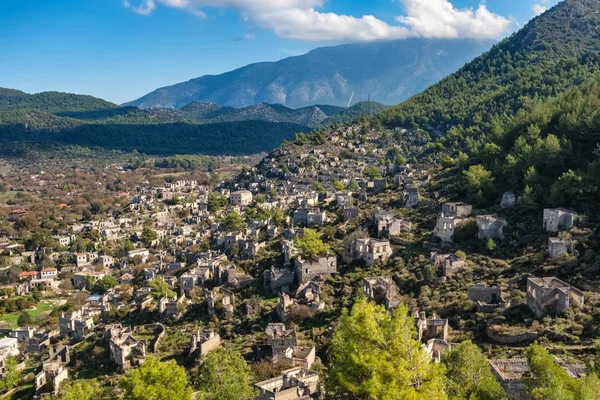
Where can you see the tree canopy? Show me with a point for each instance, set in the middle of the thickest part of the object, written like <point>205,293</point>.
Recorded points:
<point>376,356</point>
<point>224,375</point>
<point>310,243</point>
<point>156,380</point>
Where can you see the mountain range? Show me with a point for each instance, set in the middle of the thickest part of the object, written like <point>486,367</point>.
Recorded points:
<point>389,72</point>
<point>200,127</point>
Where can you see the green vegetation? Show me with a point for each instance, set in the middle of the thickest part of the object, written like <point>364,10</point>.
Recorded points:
<point>310,243</point>
<point>51,102</point>
<point>10,320</point>
<point>11,375</point>
<point>81,390</point>
<point>553,383</point>
<point>364,108</point>
<point>468,375</point>
<point>552,53</point>
<point>375,356</point>
<point>233,222</point>
<point>224,375</point>
<point>156,380</point>
<point>160,288</point>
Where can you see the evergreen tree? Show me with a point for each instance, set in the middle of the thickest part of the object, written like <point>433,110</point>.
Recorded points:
<point>376,356</point>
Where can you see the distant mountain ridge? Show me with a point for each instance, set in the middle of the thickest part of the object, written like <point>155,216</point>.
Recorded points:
<point>53,118</point>
<point>389,72</point>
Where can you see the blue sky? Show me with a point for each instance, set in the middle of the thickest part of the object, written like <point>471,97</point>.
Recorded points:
<point>120,50</point>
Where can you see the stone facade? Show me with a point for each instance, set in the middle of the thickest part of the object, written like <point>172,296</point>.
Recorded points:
<point>490,227</point>
<point>309,217</point>
<point>487,299</point>
<point>411,197</point>
<point>558,247</point>
<point>77,324</point>
<point>448,263</point>
<point>205,341</point>
<point>312,267</point>
<point>278,279</point>
<point>558,219</point>
<point>124,349</point>
<point>369,250</point>
<point>551,295</point>
<point>219,296</point>
<point>508,200</point>
<point>389,225</point>
<point>350,213</point>
<point>381,289</point>
<point>241,198</point>
<point>296,383</point>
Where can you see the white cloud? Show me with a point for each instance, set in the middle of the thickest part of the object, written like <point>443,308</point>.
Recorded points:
<point>144,8</point>
<point>299,19</point>
<point>439,18</point>
<point>538,9</point>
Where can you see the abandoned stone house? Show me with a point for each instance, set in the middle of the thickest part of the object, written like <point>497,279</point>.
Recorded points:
<point>449,264</point>
<point>172,308</point>
<point>551,295</point>
<point>411,197</point>
<point>219,297</point>
<point>289,250</point>
<point>77,324</point>
<point>53,373</point>
<point>430,328</point>
<point>457,210</point>
<point>382,291</point>
<point>445,227</point>
<point>487,299</point>
<point>514,375</point>
<point>310,293</point>
<point>490,227</point>
<point>311,216</point>
<point>350,213</point>
<point>313,267</point>
<point>241,198</point>
<point>124,349</point>
<point>433,333</point>
<point>369,250</point>
<point>296,383</point>
<point>49,380</point>
<point>559,247</point>
<point>196,277</point>
<point>389,226</point>
<point>278,279</point>
<point>284,302</point>
<point>206,341</point>
<point>559,219</point>
<point>279,337</point>
<point>508,200</point>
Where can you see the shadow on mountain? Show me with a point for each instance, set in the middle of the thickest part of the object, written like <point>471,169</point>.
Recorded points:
<point>237,138</point>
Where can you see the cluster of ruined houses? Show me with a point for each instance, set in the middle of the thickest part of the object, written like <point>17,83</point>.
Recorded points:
<point>455,215</point>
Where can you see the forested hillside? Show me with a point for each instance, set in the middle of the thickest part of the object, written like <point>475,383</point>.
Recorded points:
<point>52,102</point>
<point>523,117</point>
<point>48,119</point>
<point>555,51</point>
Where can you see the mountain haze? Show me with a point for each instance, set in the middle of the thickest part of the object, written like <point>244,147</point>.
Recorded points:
<point>388,71</point>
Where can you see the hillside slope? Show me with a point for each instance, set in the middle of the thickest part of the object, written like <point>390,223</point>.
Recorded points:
<point>388,71</point>
<point>555,51</point>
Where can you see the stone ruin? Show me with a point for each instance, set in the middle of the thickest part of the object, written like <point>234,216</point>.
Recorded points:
<point>551,295</point>
<point>487,299</point>
<point>381,290</point>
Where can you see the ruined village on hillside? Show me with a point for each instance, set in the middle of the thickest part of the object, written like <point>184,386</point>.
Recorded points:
<point>104,267</point>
